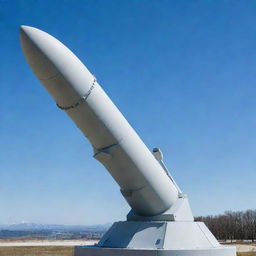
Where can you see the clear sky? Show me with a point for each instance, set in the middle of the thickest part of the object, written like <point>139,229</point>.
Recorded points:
<point>182,72</point>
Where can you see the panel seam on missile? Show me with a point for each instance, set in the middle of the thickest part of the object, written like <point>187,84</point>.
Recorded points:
<point>49,78</point>
<point>107,147</point>
<point>81,100</point>
<point>129,192</point>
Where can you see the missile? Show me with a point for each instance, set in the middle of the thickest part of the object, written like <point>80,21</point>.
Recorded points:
<point>143,182</point>
<point>160,222</point>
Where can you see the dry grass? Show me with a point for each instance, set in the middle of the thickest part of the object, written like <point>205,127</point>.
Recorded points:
<point>36,251</point>
<point>55,251</point>
<point>246,254</point>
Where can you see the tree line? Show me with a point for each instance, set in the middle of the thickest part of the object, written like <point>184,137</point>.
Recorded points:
<point>240,225</point>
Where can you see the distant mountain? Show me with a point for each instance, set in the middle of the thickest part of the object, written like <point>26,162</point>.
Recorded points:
<point>27,226</point>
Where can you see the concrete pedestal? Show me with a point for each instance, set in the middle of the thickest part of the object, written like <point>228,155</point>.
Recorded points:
<point>157,238</point>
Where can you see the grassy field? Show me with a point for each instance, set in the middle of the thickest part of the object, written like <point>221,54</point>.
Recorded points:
<point>246,254</point>
<point>36,251</point>
<point>54,251</point>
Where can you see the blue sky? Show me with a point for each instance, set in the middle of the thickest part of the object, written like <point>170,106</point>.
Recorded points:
<point>182,72</point>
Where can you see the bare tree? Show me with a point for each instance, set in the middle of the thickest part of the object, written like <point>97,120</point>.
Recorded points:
<point>232,225</point>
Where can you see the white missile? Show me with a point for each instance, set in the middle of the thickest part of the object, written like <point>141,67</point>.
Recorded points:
<point>142,180</point>
<point>161,222</point>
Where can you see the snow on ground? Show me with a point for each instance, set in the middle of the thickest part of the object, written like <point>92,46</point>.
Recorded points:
<point>47,243</point>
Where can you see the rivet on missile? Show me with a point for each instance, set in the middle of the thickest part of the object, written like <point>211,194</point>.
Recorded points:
<point>81,100</point>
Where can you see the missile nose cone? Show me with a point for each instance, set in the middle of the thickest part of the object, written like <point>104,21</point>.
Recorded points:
<point>23,28</point>
<point>61,72</point>
<point>35,46</point>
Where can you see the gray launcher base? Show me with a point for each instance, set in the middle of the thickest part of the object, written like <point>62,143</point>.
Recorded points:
<point>91,251</point>
<point>157,238</point>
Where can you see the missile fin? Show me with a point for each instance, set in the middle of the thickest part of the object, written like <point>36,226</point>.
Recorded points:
<point>102,156</point>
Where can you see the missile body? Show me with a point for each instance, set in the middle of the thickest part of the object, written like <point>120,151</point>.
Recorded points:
<point>142,180</point>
